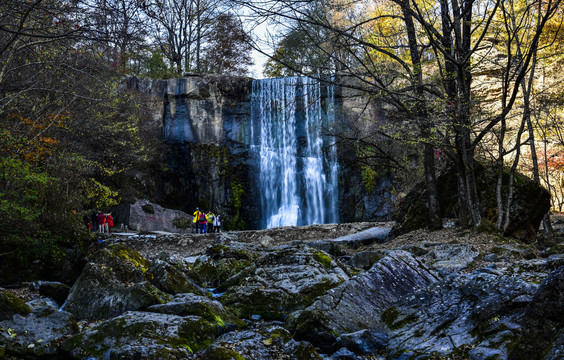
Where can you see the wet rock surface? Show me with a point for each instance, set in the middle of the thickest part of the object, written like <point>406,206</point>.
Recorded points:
<point>273,294</point>
<point>358,303</point>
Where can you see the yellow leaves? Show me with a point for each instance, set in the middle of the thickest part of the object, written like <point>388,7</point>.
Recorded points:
<point>35,142</point>
<point>101,194</point>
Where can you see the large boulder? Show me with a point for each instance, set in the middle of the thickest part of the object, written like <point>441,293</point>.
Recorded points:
<point>462,312</point>
<point>543,322</point>
<point>171,280</point>
<point>142,335</point>
<point>191,304</point>
<point>358,303</point>
<point>283,279</point>
<point>11,305</point>
<point>36,335</point>
<point>530,203</point>
<point>144,215</point>
<point>265,342</point>
<point>117,280</point>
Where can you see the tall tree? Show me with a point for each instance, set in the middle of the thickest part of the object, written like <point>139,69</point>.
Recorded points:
<point>118,30</point>
<point>181,28</point>
<point>228,48</point>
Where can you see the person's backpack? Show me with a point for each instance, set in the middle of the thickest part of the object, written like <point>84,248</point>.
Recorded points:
<point>202,217</point>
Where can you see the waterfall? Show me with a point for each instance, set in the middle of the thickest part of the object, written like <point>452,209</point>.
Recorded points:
<point>298,164</point>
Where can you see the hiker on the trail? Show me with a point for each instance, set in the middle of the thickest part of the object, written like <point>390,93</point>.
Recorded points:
<point>216,223</point>
<point>94,220</point>
<point>211,220</point>
<point>203,221</point>
<point>195,222</point>
<point>101,220</point>
<point>109,222</point>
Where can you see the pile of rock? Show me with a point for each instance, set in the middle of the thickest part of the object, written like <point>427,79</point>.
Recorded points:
<point>244,300</point>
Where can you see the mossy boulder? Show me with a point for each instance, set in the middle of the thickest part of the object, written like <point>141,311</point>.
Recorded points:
<point>171,280</point>
<point>282,280</point>
<point>192,304</point>
<point>142,335</point>
<point>214,272</point>
<point>530,203</point>
<point>116,281</point>
<point>221,262</point>
<point>10,305</point>
<point>127,264</point>
<point>262,342</point>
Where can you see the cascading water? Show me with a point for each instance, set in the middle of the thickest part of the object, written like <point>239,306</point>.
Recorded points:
<point>298,165</point>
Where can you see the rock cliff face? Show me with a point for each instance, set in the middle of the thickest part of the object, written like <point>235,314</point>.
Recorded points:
<point>203,122</point>
<point>206,126</point>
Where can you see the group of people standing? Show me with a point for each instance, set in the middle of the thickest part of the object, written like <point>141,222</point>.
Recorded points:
<point>99,222</point>
<point>206,222</point>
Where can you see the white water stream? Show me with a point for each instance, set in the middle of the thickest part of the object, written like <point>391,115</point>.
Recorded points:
<point>298,167</point>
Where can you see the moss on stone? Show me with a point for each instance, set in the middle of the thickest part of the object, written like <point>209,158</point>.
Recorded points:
<point>132,257</point>
<point>322,258</point>
<point>199,334</point>
<point>305,351</point>
<point>160,296</point>
<point>280,333</point>
<point>216,272</point>
<point>270,305</point>
<point>392,318</point>
<point>10,304</point>
<point>182,223</point>
<point>222,353</point>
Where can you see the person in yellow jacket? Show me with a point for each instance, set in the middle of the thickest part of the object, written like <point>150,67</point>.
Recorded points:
<point>211,216</point>
<point>196,222</point>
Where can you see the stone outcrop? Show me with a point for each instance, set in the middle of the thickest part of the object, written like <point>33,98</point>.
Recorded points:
<point>205,126</point>
<point>115,281</point>
<point>530,203</point>
<point>358,303</point>
<point>281,280</point>
<point>36,334</point>
<point>462,312</point>
<point>291,299</point>
<point>143,335</point>
<point>543,322</point>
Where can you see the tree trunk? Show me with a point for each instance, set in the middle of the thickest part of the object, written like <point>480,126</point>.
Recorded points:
<point>424,122</point>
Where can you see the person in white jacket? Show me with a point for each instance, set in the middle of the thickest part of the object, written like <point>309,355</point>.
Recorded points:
<point>216,223</point>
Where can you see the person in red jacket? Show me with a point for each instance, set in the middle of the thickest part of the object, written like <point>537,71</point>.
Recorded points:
<point>109,222</point>
<point>101,219</point>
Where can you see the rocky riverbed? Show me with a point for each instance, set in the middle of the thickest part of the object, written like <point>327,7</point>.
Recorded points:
<point>319,292</point>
